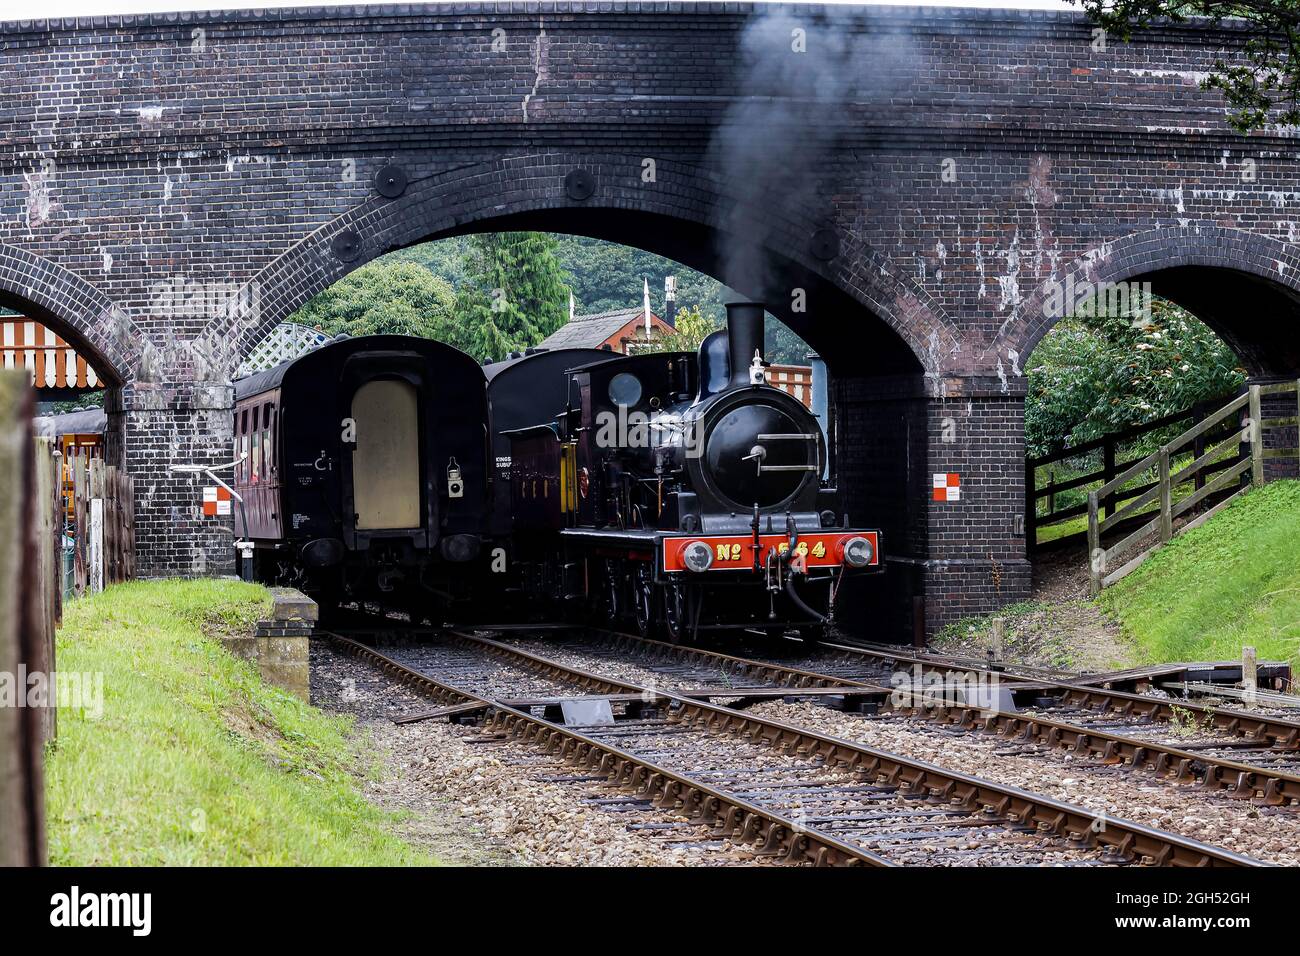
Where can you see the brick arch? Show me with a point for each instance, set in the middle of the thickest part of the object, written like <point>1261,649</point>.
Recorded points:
<point>527,192</point>
<point>1244,285</point>
<point>98,328</point>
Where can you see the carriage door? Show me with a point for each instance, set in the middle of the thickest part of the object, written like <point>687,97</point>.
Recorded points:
<point>386,458</point>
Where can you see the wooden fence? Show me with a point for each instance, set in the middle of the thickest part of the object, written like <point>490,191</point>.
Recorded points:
<point>1110,448</point>
<point>31,526</point>
<point>1233,473</point>
<point>103,525</point>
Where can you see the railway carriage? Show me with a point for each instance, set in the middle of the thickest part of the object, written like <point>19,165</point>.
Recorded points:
<point>363,470</point>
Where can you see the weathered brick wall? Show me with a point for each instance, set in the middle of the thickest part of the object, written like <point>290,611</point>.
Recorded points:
<point>969,158</point>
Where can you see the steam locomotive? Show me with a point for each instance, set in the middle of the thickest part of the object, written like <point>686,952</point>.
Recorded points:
<point>683,493</point>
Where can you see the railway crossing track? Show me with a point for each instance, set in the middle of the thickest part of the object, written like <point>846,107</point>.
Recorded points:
<point>1250,757</point>
<point>785,790</point>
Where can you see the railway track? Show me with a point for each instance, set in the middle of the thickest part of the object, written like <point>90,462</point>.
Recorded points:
<point>779,789</point>
<point>1248,757</point>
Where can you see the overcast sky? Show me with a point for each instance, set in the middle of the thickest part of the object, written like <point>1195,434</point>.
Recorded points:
<point>25,9</point>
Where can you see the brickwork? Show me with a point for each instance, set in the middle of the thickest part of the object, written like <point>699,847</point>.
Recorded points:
<point>172,186</point>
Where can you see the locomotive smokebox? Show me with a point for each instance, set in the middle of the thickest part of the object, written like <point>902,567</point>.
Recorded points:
<point>744,338</point>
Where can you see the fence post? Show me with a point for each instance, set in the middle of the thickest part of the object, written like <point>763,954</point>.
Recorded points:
<point>1256,439</point>
<point>1249,675</point>
<point>81,525</point>
<point>110,526</point>
<point>43,513</point>
<point>1108,470</point>
<point>95,544</point>
<point>22,788</point>
<point>128,517</point>
<point>1166,497</point>
<point>1198,449</point>
<point>1096,566</point>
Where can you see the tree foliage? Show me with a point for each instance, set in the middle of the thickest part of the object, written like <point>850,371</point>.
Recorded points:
<point>514,293</point>
<point>1268,82</point>
<point>1093,375</point>
<point>494,293</point>
<point>384,297</point>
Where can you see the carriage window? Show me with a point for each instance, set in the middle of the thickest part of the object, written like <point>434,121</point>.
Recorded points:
<point>255,462</point>
<point>268,459</point>
<point>241,427</point>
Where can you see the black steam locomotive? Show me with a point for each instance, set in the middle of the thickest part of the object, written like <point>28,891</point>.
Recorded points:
<point>362,467</point>
<point>684,493</point>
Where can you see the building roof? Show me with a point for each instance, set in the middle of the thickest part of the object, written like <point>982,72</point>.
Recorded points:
<point>594,330</point>
<point>84,421</point>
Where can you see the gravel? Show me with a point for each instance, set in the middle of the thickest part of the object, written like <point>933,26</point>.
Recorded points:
<point>478,801</point>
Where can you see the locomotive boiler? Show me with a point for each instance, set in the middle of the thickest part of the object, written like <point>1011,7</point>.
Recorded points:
<point>684,493</point>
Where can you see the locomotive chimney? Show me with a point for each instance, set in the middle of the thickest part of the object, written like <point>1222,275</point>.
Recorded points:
<point>744,338</point>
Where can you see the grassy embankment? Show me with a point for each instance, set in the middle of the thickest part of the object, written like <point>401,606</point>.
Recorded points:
<point>194,760</point>
<point>1231,582</point>
<point>1234,580</point>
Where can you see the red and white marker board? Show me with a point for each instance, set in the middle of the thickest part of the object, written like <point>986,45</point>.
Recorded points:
<point>216,502</point>
<point>947,487</point>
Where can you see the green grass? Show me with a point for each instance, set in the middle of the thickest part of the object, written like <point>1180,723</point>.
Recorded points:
<point>1234,580</point>
<point>194,760</point>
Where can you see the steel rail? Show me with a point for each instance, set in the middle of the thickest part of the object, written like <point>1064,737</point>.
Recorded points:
<point>732,817</point>
<point>1125,839</point>
<point>1280,732</point>
<point>1243,781</point>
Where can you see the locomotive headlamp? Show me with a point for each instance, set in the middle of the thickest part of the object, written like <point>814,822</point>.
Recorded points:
<point>697,556</point>
<point>858,552</point>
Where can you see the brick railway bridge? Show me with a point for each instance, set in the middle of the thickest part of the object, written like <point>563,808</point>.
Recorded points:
<point>904,186</point>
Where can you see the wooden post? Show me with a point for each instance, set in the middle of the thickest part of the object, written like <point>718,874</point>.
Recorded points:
<point>1108,470</point>
<point>996,637</point>
<point>44,517</point>
<point>1096,565</point>
<point>128,516</point>
<point>1249,675</point>
<point>81,524</point>
<point>1198,449</point>
<point>95,542</point>
<point>22,787</point>
<point>1256,439</point>
<point>1166,497</point>
<point>95,546</point>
